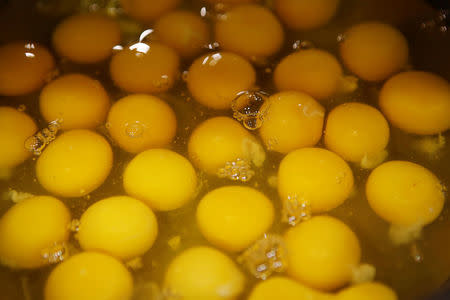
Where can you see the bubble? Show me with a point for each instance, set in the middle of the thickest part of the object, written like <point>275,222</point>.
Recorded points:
<point>21,107</point>
<point>340,37</point>
<point>302,45</point>
<point>238,170</point>
<point>184,75</point>
<point>363,273</point>
<point>247,108</point>
<point>439,22</point>
<point>212,46</point>
<point>265,256</point>
<point>416,253</point>
<point>74,225</point>
<point>134,130</point>
<point>162,82</point>
<point>37,142</point>
<point>56,253</point>
<point>295,210</point>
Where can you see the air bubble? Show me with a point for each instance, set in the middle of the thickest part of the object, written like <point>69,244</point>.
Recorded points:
<point>21,107</point>
<point>363,273</point>
<point>295,210</point>
<point>40,140</point>
<point>162,82</point>
<point>340,38</point>
<point>74,225</point>
<point>184,76</point>
<point>134,130</point>
<point>238,170</point>
<point>212,46</point>
<point>56,253</point>
<point>265,256</point>
<point>302,45</point>
<point>416,253</point>
<point>247,108</point>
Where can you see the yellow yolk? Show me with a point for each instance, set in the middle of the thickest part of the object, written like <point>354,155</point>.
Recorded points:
<point>250,30</point>
<point>404,193</point>
<point>322,253</point>
<point>367,291</point>
<point>417,102</point>
<point>147,11</point>
<point>139,122</point>
<point>204,273</point>
<point>120,226</point>
<point>312,71</point>
<point>86,38</point>
<point>214,80</point>
<point>286,289</point>
<point>325,180</point>
<point>75,163</point>
<point>145,68</point>
<point>15,128</point>
<point>292,120</point>
<point>374,51</point>
<point>305,14</point>
<point>163,179</point>
<point>219,140</point>
<point>233,217</point>
<point>89,276</point>
<point>24,68</point>
<point>356,130</point>
<point>76,100</point>
<point>185,32</point>
<point>30,229</point>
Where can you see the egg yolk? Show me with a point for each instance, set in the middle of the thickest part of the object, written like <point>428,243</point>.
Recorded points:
<point>163,179</point>
<point>204,273</point>
<point>286,289</point>
<point>367,291</point>
<point>24,68</point>
<point>292,120</point>
<point>233,217</point>
<point>312,71</point>
<point>185,32</point>
<point>322,252</point>
<point>219,140</point>
<point>86,38</point>
<point>147,11</point>
<point>405,193</point>
<point>15,128</point>
<point>75,163</point>
<point>120,226</point>
<point>374,51</point>
<point>214,80</point>
<point>145,68</point>
<point>76,100</point>
<point>89,276</point>
<point>417,102</point>
<point>30,229</point>
<point>356,131</point>
<point>325,180</point>
<point>139,122</point>
<point>250,30</point>
<point>306,14</point>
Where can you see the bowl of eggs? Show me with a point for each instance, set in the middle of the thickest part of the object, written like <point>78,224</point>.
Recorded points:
<point>224,150</point>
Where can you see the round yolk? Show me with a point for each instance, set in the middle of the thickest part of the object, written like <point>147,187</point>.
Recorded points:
<point>355,131</point>
<point>417,102</point>
<point>145,68</point>
<point>221,140</point>
<point>139,122</point>
<point>250,30</point>
<point>312,71</point>
<point>185,32</point>
<point>322,252</point>
<point>15,128</point>
<point>325,180</point>
<point>89,276</point>
<point>76,100</point>
<point>75,163</point>
<point>286,289</point>
<point>163,179</point>
<point>86,38</point>
<point>292,120</point>
<point>147,11</point>
<point>214,80</point>
<point>204,273</point>
<point>233,217</point>
<point>367,291</point>
<point>404,193</point>
<point>30,229</point>
<point>374,51</point>
<point>121,226</point>
<point>24,68</point>
<point>305,14</point>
